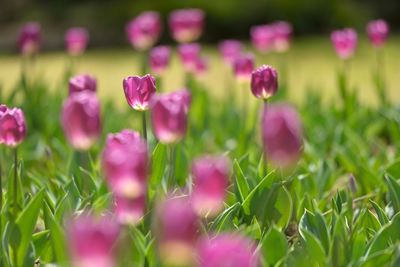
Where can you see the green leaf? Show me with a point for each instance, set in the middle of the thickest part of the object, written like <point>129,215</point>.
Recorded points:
<point>159,163</point>
<point>315,224</point>
<point>241,182</point>
<point>274,246</point>
<point>314,248</point>
<point>383,219</point>
<point>394,192</point>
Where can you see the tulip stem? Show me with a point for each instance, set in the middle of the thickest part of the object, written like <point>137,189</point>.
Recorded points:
<point>265,160</point>
<point>144,127</point>
<point>1,199</point>
<point>379,82</point>
<point>171,165</point>
<point>143,66</point>
<point>15,183</point>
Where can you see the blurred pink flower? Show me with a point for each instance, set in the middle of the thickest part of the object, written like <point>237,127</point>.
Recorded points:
<point>144,30</point>
<point>243,66</point>
<point>282,35</point>
<point>264,82</point>
<point>378,31</point>
<point>76,40</point>
<point>230,49</point>
<point>130,211</point>
<point>345,42</point>
<point>12,126</point>
<point>82,82</point>
<point>159,58</point>
<point>186,25</point>
<point>262,37</point>
<point>29,38</point>
<point>138,91</point>
<point>189,55</point>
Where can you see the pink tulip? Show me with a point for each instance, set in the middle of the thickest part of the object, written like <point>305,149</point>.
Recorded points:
<point>282,35</point>
<point>230,250</point>
<point>138,91</point>
<point>189,55</point>
<point>82,82</point>
<point>378,31</point>
<point>29,38</point>
<point>169,116</point>
<point>243,66</point>
<point>186,25</point>
<point>345,42</point>
<point>76,40</point>
<point>176,231</point>
<point>159,58</point>
<point>80,119</point>
<point>230,49</point>
<point>201,66</point>
<point>12,126</point>
<point>210,179</point>
<point>91,241</point>
<point>130,211</point>
<point>126,164</point>
<point>264,82</point>
<point>282,135</point>
<point>262,37</point>
<point>144,30</point>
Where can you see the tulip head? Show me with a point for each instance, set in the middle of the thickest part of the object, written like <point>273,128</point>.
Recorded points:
<point>189,55</point>
<point>159,58</point>
<point>144,30</point>
<point>378,31</point>
<point>264,82</point>
<point>130,211</point>
<point>345,42</point>
<point>230,49</point>
<point>29,38</point>
<point>282,35</point>
<point>186,25</point>
<point>82,82</point>
<point>243,66</point>
<point>76,40</point>
<point>262,37</point>
<point>12,126</point>
<point>139,90</point>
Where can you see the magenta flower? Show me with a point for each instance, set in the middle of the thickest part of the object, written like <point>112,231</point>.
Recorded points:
<point>201,66</point>
<point>29,38</point>
<point>159,58</point>
<point>189,55</point>
<point>262,37</point>
<point>345,42</point>
<point>76,40</point>
<point>91,241</point>
<point>144,30</point>
<point>282,35</point>
<point>169,116</point>
<point>80,119</point>
<point>130,211</point>
<point>243,66</point>
<point>82,82</point>
<point>378,31</point>
<point>210,179</point>
<point>126,165</point>
<point>12,126</point>
<point>138,91</point>
<point>230,49</point>
<point>176,231</point>
<point>264,82</point>
<point>282,135</point>
<point>230,250</point>
<point>186,25</point>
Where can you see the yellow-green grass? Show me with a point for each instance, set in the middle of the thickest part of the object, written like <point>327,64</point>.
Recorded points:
<point>311,62</point>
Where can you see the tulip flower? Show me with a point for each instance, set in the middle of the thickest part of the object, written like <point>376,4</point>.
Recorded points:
<point>29,38</point>
<point>264,82</point>
<point>91,241</point>
<point>262,37</point>
<point>82,82</point>
<point>129,211</point>
<point>232,250</point>
<point>230,49</point>
<point>138,91</point>
<point>345,42</point>
<point>243,66</point>
<point>176,231</point>
<point>282,35</point>
<point>12,126</point>
<point>282,135</point>
<point>80,119</point>
<point>378,31</point>
<point>210,182</point>
<point>159,58</point>
<point>189,55</point>
<point>76,40</point>
<point>186,25</point>
<point>144,30</point>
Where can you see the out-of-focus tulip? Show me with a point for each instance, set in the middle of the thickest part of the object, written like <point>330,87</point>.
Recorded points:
<point>29,38</point>
<point>262,37</point>
<point>230,49</point>
<point>282,135</point>
<point>189,55</point>
<point>282,35</point>
<point>169,116</point>
<point>76,40</point>
<point>230,250</point>
<point>82,82</point>
<point>144,30</point>
<point>186,25</point>
<point>125,164</point>
<point>12,126</point>
<point>80,119</point>
<point>129,211</point>
<point>176,231</point>
<point>201,66</point>
<point>210,179</point>
<point>91,241</point>
<point>159,58</point>
<point>139,90</point>
<point>345,42</point>
<point>378,31</point>
<point>243,66</point>
<point>264,82</point>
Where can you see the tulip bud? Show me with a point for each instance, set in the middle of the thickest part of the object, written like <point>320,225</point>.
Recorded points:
<point>125,164</point>
<point>82,82</point>
<point>159,58</point>
<point>345,42</point>
<point>231,249</point>
<point>282,135</point>
<point>264,82</point>
<point>144,30</point>
<point>230,49</point>
<point>378,31</point>
<point>282,35</point>
<point>169,116</point>
<point>189,55</point>
<point>176,231</point>
<point>243,66</point>
<point>129,211</point>
<point>138,91</point>
<point>210,179</point>
<point>91,241</point>
<point>262,37</point>
<point>80,119</point>
<point>186,25</point>
<point>12,126</point>
<point>76,40</point>
<point>29,38</point>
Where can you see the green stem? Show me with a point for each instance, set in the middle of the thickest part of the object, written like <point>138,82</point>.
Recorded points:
<point>144,127</point>
<point>143,66</point>
<point>1,200</point>
<point>265,160</point>
<point>15,183</point>
<point>171,174</point>
<point>380,86</point>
